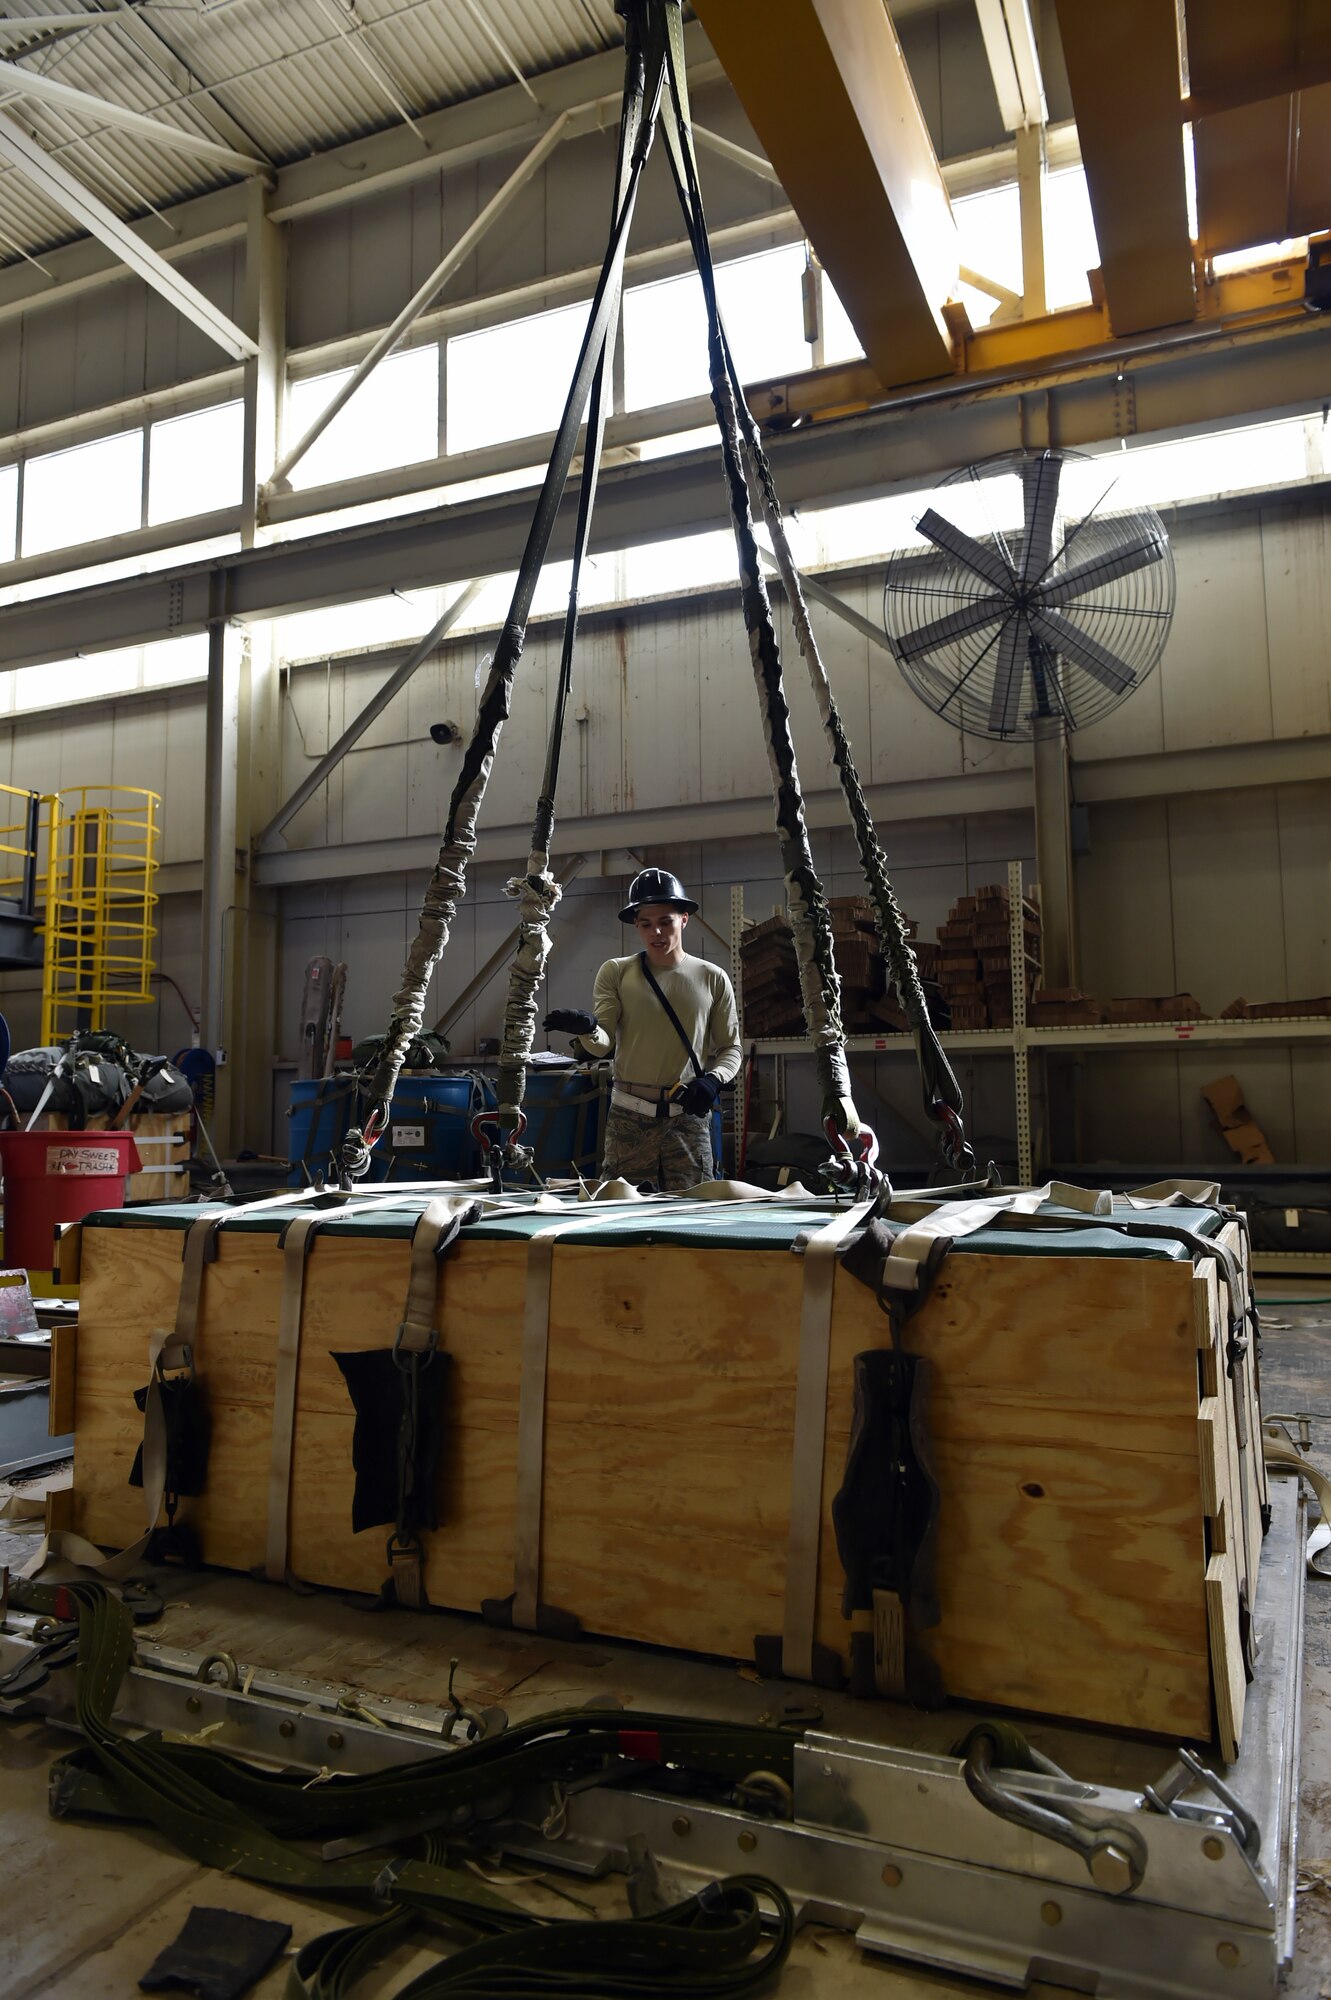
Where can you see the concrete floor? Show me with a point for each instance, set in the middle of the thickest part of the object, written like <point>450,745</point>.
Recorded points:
<point>88,1908</point>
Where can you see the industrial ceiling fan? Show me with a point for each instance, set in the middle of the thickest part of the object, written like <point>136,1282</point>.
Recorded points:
<point>1031,597</point>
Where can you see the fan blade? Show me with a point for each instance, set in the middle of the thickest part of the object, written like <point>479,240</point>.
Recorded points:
<point>953,625</point>
<point>1074,644</point>
<point>1040,480</point>
<point>1009,675</point>
<point>1106,568</point>
<point>956,542</point>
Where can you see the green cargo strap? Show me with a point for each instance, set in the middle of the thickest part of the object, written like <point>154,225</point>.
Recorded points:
<point>228,1815</point>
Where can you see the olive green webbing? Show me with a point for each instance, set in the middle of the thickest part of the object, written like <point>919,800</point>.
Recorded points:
<point>246,1822</point>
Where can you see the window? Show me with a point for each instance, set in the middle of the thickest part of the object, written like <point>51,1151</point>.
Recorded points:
<point>685,563</point>
<point>840,340</point>
<point>1192,468</point>
<point>348,628</point>
<point>99,676</point>
<point>989,241</point>
<point>8,512</point>
<point>195,463</point>
<point>393,419</point>
<point>512,381</point>
<point>1070,248</point>
<point>84,494</point>
<point>665,327</point>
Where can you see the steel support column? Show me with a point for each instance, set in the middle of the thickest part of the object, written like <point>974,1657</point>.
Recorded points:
<point>1030,193</point>
<point>1053,852</point>
<point>221,736</point>
<point>826,88</point>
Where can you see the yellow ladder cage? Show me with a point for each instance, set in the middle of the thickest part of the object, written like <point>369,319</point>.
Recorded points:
<point>101,865</point>
<point>20,819</point>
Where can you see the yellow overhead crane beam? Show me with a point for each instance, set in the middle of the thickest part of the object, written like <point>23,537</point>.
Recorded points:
<point>1123,70</point>
<point>1259,81</point>
<point>825,86</point>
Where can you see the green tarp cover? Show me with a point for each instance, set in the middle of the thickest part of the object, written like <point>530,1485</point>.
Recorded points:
<point>708,1226</point>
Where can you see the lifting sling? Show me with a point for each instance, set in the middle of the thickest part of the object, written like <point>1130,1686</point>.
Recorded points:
<point>655,85</point>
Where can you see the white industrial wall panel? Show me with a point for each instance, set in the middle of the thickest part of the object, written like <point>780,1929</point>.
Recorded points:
<point>352,268</point>
<point>113,342</point>
<point>1218,894</point>
<point>1296,594</point>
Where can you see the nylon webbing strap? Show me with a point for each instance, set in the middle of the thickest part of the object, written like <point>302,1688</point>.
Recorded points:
<point>806,1470</point>
<point>531,1410</point>
<point>1275,1451</point>
<point>531,1426</point>
<point>299,1242</point>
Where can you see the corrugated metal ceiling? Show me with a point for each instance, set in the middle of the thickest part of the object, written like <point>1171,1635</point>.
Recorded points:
<point>278,80</point>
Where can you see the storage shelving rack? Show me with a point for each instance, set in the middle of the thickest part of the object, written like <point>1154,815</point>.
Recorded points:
<point>1021,1041</point>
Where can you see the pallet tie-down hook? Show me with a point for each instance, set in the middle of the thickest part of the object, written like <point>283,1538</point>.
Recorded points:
<point>505,1150</point>
<point>957,1150</point>
<point>1115,1856</point>
<point>852,1163</point>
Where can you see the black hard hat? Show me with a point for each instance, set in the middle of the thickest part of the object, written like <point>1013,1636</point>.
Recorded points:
<point>655,885</point>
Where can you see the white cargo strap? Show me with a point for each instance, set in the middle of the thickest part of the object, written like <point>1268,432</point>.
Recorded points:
<point>806,1469</point>
<point>296,1248</point>
<point>1278,1452</point>
<point>167,1350</point>
<point>915,1244</point>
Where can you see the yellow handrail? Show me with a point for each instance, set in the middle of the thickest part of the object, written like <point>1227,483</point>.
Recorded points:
<point>101,864</point>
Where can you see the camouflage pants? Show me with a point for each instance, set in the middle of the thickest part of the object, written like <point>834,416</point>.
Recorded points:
<point>671,1153</point>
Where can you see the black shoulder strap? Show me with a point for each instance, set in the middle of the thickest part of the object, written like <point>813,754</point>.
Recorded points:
<point>671,1015</point>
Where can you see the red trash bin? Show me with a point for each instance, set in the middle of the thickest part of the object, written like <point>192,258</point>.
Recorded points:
<point>54,1177</point>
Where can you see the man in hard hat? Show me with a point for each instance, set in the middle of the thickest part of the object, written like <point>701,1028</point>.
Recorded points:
<point>671,1023</point>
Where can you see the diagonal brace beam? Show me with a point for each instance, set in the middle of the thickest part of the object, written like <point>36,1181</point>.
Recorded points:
<point>375,706</point>
<point>83,104</point>
<point>60,186</point>
<point>416,305</point>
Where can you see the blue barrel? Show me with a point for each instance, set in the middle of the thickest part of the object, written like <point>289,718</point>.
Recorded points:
<point>566,1111</point>
<point>566,1119</point>
<point>427,1137</point>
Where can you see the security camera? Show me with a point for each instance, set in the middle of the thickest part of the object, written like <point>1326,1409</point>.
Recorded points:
<point>445,732</point>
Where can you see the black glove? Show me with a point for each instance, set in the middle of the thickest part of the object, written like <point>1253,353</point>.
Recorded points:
<point>698,1097</point>
<point>571,1020</point>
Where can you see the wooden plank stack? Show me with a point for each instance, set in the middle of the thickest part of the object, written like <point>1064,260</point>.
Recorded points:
<point>975,958</point>
<point>770,974</point>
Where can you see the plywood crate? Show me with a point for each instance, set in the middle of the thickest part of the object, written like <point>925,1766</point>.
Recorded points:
<point>1099,1519</point>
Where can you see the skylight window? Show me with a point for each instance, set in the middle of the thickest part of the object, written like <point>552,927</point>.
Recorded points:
<point>393,419</point>
<point>512,381</point>
<point>195,463</point>
<point>83,495</point>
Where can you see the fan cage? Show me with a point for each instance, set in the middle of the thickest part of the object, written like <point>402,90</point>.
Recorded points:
<point>1039,645</point>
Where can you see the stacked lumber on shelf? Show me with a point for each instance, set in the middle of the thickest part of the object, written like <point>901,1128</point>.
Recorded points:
<point>1275,1010</point>
<point>770,980</point>
<point>975,958</point>
<point>770,975</point>
<point>1064,1007</point>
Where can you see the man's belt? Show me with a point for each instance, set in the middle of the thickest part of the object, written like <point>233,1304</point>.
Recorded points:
<point>646,1100</point>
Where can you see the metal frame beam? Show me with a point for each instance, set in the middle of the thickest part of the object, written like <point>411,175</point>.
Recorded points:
<point>59,185</point>
<point>1198,378</point>
<point>33,83</point>
<point>1014,62</point>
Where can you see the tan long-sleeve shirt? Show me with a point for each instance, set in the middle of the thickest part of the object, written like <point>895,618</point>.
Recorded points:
<point>631,1021</point>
